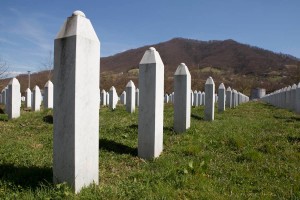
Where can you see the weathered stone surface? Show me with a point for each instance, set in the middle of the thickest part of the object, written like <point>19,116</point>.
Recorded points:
<point>130,97</point>
<point>14,99</point>
<point>221,100</point>
<point>209,112</point>
<point>150,122</point>
<point>182,107</point>
<point>48,95</point>
<point>76,103</point>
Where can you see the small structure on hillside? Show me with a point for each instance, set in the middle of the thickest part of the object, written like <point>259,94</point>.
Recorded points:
<point>257,93</point>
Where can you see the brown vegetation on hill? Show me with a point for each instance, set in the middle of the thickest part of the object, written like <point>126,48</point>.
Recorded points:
<point>237,65</point>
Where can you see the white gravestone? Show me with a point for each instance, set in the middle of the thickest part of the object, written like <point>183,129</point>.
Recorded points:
<point>222,98</point>
<point>137,97</point>
<point>209,112</point>
<point>103,97</point>
<point>123,98</point>
<point>192,98</point>
<point>113,98</point>
<point>203,98</point>
<point>199,98</point>
<point>228,98</point>
<point>182,107</point>
<point>107,98</point>
<point>288,97</point>
<point>298,99</point>
<point>151,108</point>
<point>48,95</point>
<point>293,97</point>
<point>195,101</point>
<point>130,97</point>
<point>76,103</point>
<point>36,99</point>
<point>14,99</point>
<point>166,98</point>
<point>28,98</point>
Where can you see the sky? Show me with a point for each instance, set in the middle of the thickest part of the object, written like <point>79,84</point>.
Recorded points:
<point>28,27</point>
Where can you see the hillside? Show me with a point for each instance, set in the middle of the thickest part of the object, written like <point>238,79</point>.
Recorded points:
<point>237,65</point>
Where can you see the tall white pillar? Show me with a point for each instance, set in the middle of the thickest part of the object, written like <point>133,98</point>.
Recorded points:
<point>182,107</point>
<point>151,108</point>
<point>14,99</point>
<point>209,112</point>
<point>222,98</point>
<point>48,95</point>
<point>130,97</point>
<point>76,103</point>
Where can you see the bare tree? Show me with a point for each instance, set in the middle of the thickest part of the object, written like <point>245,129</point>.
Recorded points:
<point>3,70</point>
<point>47,64</point>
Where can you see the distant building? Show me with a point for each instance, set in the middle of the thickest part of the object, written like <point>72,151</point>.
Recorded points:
<point>257,93</point>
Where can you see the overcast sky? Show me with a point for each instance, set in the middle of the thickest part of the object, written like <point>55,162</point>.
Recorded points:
<point>28,27</point>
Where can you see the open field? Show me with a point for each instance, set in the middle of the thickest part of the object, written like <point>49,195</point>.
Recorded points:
<point>250,152</point>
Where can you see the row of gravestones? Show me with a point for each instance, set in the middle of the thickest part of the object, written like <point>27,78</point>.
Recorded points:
<point>287,98</point>
<point>76,106</point>
<point>129,97</point>
<point>11,98</point>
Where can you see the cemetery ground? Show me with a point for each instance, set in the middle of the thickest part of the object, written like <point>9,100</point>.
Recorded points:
<point>252,151</point>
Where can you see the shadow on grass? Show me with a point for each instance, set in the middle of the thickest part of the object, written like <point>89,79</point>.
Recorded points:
<point>109,145</point>
<point>287,119</point>
<point>2,111</point>
<point>133,126</point>
<point>27,177</point>
<point>197,117</point>
<point>293,139</point>
<point>48,119</point>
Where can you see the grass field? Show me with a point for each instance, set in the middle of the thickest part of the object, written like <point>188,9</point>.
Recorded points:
<point>251,152</point>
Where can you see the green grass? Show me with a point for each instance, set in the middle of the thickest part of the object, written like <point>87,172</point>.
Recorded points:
<point>251,152</point>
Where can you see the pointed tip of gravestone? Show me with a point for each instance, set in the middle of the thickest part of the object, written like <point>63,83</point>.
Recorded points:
<point>209,81</point>
<point>49,83</point>
<point>151,56</point>
<point>36,88</point>
<point>289,88</point>
<point>222,86</point>
<point>294,86</point>
<point>130,84</point>
<point>14,81</point>
<point>229,89</point>
<point>28,90</point>
<point>123,92</point>
<point>103,91</point>
<point>182,69</point>
<point>78,13</point>
<point>137,89</point>
<point>112,88</point>
<point>195,91</point>
<point>78,25</point>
